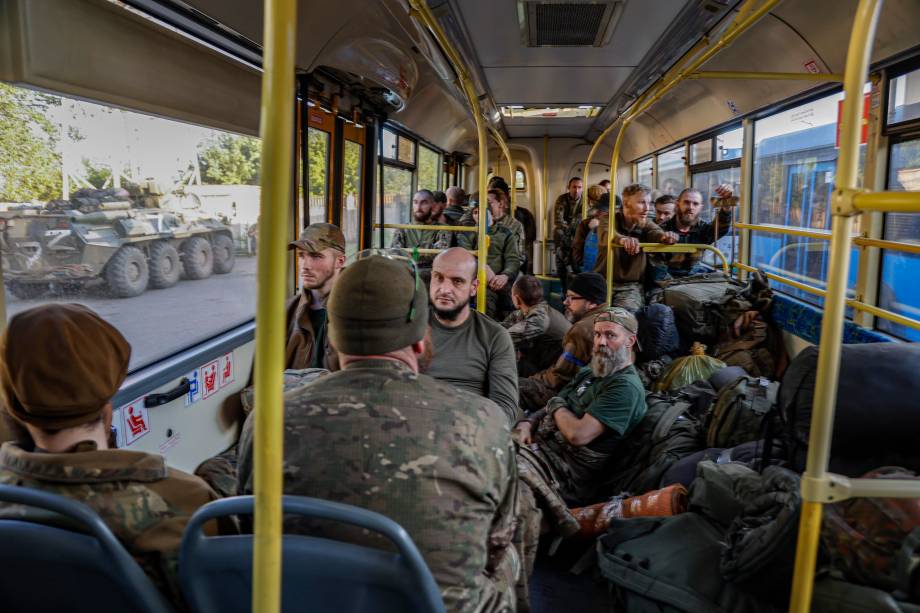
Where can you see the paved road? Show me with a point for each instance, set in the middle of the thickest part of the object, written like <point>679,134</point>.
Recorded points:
<point>160,322</point>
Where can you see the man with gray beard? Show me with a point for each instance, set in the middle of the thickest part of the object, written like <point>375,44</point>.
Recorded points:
<point>578,431</point>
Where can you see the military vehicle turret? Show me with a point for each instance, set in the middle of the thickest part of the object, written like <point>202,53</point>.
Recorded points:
<point>130,240</point>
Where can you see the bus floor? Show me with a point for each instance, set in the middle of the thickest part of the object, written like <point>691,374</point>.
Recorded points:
<point>554,588</point>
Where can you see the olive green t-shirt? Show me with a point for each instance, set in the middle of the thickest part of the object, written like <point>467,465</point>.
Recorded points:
<point>477,356</point>
<point>617,401</point>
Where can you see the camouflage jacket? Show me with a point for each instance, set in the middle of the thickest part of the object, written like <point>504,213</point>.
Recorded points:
<point>538,334</point>
<point>517,228</point>
<point>144,503</point>
<point>576,352</point>
<point>700,233</point>
<point>566,213</point>
<point>423,239</point>
<point>504,256</point>
<point>437,460</point>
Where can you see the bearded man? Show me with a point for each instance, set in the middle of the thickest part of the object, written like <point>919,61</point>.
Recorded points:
<point>576,435</point>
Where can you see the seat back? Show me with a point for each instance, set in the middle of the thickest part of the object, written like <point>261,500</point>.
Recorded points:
<point>318,574</point>
<point>49,568</point>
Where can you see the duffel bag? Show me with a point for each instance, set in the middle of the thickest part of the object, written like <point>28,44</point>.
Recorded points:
<point>705,304</point>
<point>657,331</point>
<point>741,411</point>
<point>878,407</point>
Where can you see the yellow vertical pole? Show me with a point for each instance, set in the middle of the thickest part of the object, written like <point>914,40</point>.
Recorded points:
<point>277,128</point>
<point>584,205</point>
<point>482,245</point>
<point>747,192</point>
<point>546,210</point>
<point>611,219</point>
<point>507,153</point>
<point>822,418</point>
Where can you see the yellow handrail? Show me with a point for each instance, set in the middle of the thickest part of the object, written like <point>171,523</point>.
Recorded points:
<point>419,10</point>
<point>765,76</point>
<point>277,130</point>
<point>822,418</point>
<point>889,245</point>
<point>888,202</point>
<point>682,248</point>
<point>417,226</point>
<point>507,153</point>
<point>775,229</point>
<point>751,16</point>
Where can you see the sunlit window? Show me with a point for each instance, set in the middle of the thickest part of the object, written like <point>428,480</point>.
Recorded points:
<point>429,169</point>
<point>671,174</point>
<point>644,172</point>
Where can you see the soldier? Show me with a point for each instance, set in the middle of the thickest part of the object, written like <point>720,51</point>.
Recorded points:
<point>437,210</point>
<point>60,366</point>
<point>471,351</point>
<point>422,207</point>
<point>378,434</point>
<point>536,328</point>
<point>320,259</point>
<point>566,212</point>
<point>577,433</point>
<point>584,242</point>
<point>503,260</point>
<point>632,228</point>
<point>664,209</point>
<point>689,228</point>
<point>584,300</point>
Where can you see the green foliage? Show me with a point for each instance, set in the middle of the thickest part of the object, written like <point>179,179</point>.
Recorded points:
<point>428,169</point>
<point>30,164</point>
<point>229,159</point>
<point>95,174</point>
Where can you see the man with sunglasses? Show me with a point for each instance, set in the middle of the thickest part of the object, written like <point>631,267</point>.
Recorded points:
<point>584,300</point>
<point>381,435</point>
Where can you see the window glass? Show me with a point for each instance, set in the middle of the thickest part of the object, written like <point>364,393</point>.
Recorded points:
<point>406,151</point>
<point>388,145</point>
<point>318,164</point>
<point>899,291</point>
<point>706,183</point>
<point>127,172</point>
<point>644,172</point>
<point>671,176</point>
<point>520,180</point>
<point>729,144</point>
<point>397,198</point>
<point>904,98</point>
<point>701,152</point>
<point>351,194</point>
<point>429,166</point>
<point>795,162</point>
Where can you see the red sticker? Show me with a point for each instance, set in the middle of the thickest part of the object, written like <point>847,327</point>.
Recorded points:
<point>209,380</point>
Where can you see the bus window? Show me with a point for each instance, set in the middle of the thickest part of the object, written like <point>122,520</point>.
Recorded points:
<point>351,193</point>
<point>397,198</point>
<point>728,145</point>
<point>671,172</point>
<point>795,161</point>
<point>92,197</point>
<point>899,291</point>
<point>706,183</point>
<point>644,172</point>
<point>701,152</point>
<point>318,164</point>
<point>429,166</point>
<point>904,98</point>
<point>520,180</point>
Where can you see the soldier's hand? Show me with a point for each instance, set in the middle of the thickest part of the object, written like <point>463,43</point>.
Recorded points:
<point>498,282</point>
<point>594,223</point>
<point>523,432</point>
<point>669,238</point>
<point>724,191</point>
<point>630,245</point>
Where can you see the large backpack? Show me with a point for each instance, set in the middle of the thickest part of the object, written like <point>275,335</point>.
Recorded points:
<point>705,304</point>
<point>657,331</point>
<point>741,411</point>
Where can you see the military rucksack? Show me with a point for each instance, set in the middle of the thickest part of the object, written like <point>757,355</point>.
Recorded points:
<point>705,304</point>
<point>741,412</point>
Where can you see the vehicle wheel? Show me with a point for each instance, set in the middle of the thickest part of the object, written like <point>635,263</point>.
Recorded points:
<point>165,265</point>
<point>27,291</point>
<point>197,258</point>
<point>127,273</point>
<point>224,254</point>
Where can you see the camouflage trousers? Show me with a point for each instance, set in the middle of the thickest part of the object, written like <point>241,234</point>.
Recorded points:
<point>629,296</point>
<point>533,394</point>
<point>220,472</point>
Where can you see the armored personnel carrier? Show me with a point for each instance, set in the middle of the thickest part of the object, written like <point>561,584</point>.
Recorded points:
<point>124,239</point>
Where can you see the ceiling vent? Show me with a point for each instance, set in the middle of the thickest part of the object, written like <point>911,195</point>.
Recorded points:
<point>568,23</point>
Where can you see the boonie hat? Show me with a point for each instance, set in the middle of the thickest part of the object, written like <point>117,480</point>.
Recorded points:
<point>319,236</point>
<point>60,364</point>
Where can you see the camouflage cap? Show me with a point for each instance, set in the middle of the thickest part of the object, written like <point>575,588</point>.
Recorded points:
<point>619,315</point>
<point>377,305</point>
<point>319,236</point>
<point>60,364</point>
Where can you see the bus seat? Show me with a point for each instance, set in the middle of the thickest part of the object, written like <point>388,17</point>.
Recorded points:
<point>318,574</point>
<point>49,568</point>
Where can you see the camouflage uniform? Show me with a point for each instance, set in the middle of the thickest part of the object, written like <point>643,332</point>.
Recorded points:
<point>437,460</point>
<point>536,390</point>
<point>537,336</point>
<point>517,228</point>
<point>423,239</point>
<point>144,503</point>
<point>629,270</point>
<point>618,402</point>
<point>504,258</point>
<point>566,214</point>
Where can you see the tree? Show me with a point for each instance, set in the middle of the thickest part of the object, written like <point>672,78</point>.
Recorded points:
<point>30,163</point>
<point>228,159</point>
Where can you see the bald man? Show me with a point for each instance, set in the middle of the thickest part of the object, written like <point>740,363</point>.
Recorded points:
<point>471,351</point>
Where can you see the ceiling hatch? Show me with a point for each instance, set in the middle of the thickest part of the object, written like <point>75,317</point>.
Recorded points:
<point>568,23</point>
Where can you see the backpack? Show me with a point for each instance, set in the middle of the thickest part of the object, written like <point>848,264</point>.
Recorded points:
<point>657,331</point>
<point>705,304</point>
<point>670,430</point>
<point>876,541</point>
<point>741,411</point>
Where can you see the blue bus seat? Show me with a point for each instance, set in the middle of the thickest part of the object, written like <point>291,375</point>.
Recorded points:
<point>318,574</point>
<point>49,568</point>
